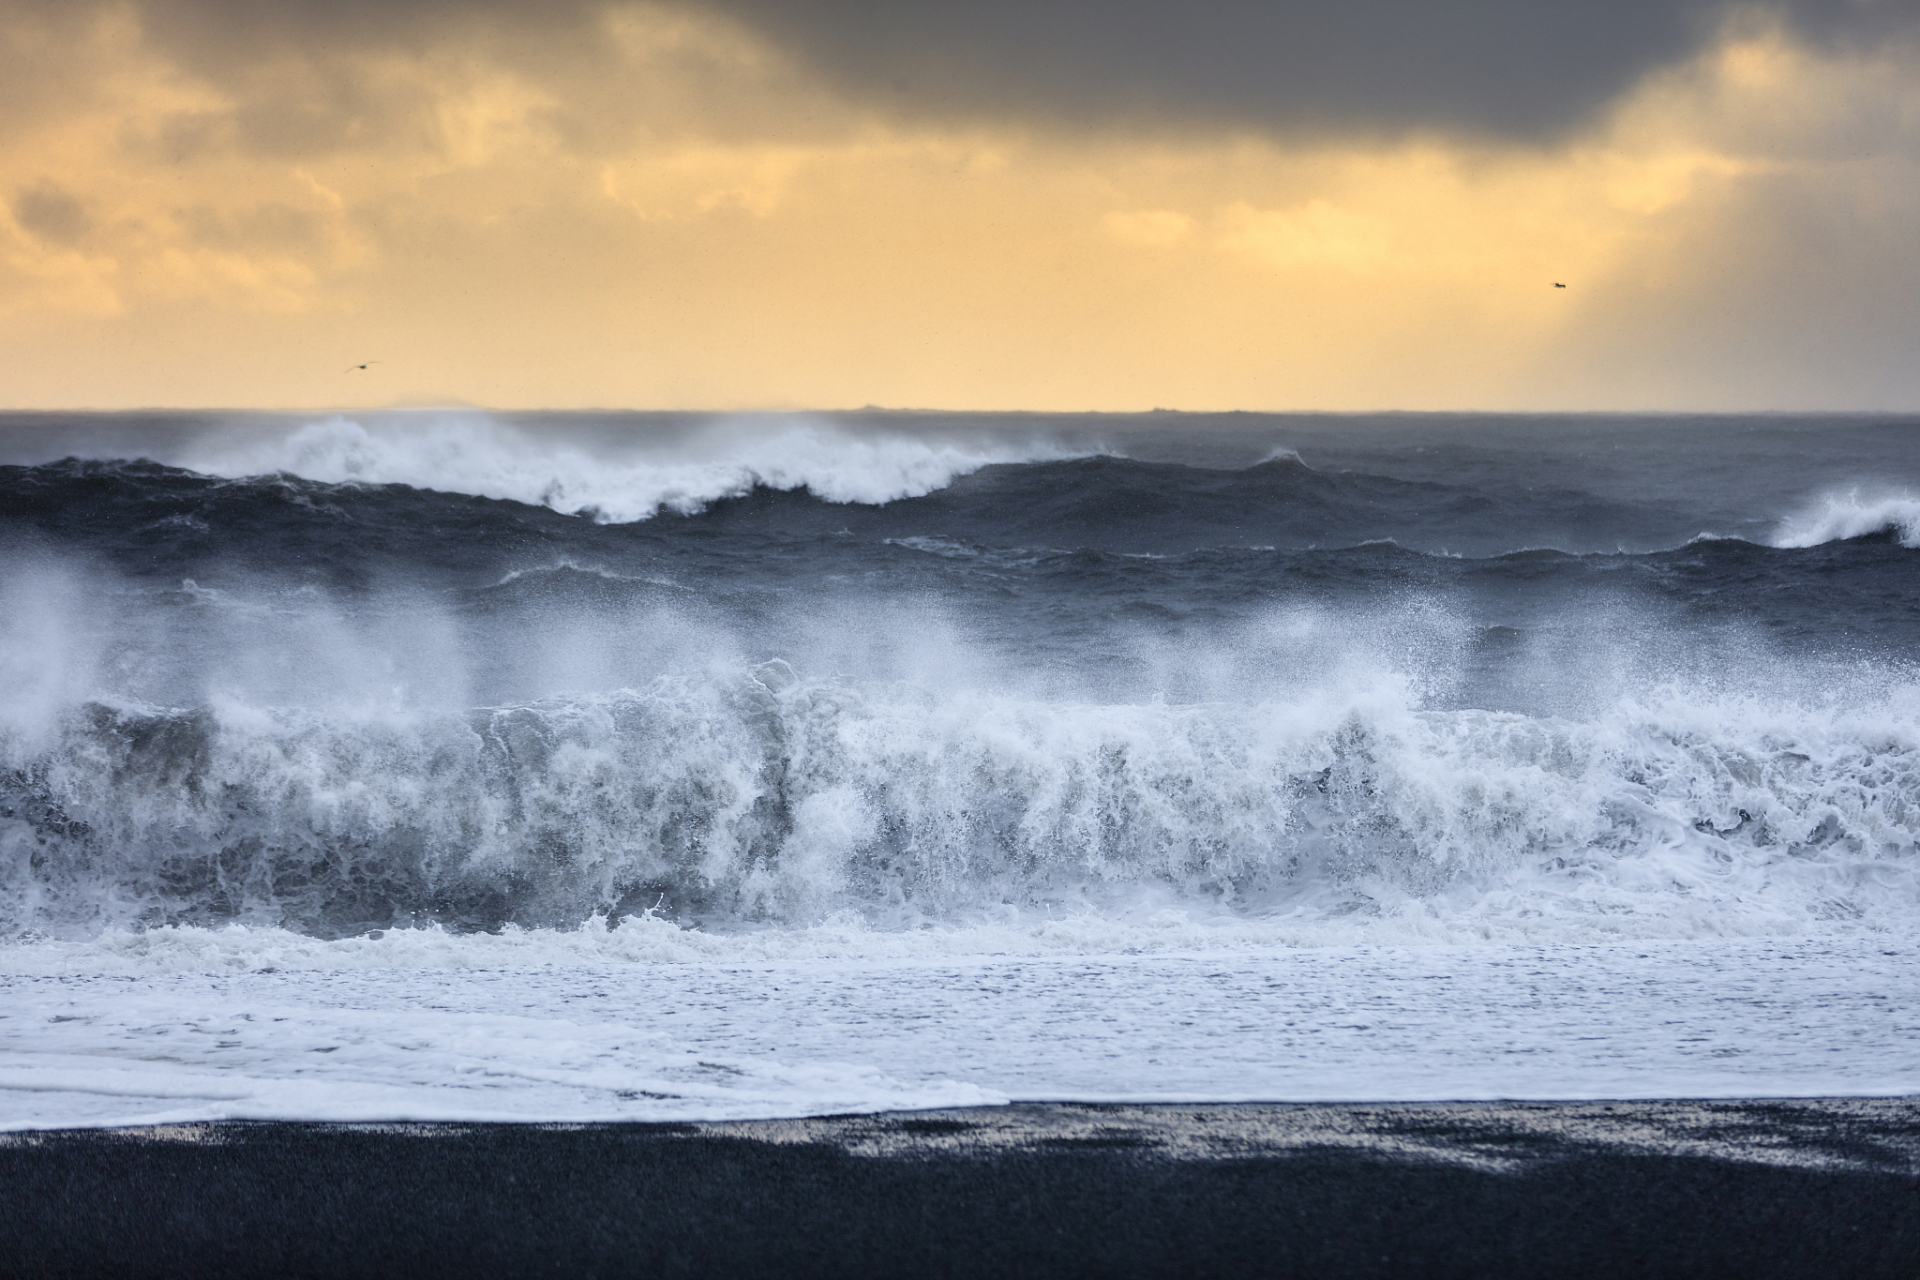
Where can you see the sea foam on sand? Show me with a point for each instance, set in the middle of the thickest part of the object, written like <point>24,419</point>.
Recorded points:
<point>600,1039</point>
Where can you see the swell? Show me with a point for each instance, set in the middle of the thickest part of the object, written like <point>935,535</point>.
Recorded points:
<point>1102,503</point>
<point>757,798</point>
<point>1091,518</point>
<point>1472,484</point>
<point>201,566</point>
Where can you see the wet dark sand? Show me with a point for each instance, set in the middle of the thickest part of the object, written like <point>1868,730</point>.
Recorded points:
<point>1747,1189</point>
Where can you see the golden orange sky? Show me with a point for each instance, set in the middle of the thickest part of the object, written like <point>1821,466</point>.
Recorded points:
<point>677,206</point>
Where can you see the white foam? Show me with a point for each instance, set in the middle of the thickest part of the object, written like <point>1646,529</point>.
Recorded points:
<point>181,1053</point>
<point>1852,513</point>
<point>628,479</point>
<point>889,819</point>
<point>603,1038</point>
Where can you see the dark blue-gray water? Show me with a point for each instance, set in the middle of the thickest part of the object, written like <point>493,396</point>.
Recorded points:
<point>339,673</point>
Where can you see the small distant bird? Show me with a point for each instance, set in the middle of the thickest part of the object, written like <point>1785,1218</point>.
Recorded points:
<point>1556,284</point>
<point>357,367</point>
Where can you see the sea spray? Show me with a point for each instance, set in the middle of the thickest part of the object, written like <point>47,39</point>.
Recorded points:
<point>761,798</point>
<point>1853,513</point>
<point>439,763</point>
<point>474,453</point>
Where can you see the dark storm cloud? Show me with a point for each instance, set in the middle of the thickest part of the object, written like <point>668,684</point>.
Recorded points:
<point>1513,68</point>
<point>1510,66</point>
<point>1526,68</point>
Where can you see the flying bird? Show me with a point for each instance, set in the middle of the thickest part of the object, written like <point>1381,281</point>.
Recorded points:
<point>355,367</point>
<point>1556,284</point>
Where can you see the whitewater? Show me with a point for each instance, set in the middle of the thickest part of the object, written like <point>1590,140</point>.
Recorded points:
<point>446,765</point>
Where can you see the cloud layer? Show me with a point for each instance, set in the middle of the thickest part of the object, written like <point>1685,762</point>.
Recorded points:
<point>1513,68</point>
<point>1064,205</point>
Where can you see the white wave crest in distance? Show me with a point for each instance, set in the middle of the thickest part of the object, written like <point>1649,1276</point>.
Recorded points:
<point>759,799</point>
<point>631,479</point>
<point>1836,517</point>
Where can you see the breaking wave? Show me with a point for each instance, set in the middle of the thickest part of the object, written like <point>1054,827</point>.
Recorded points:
<point>630,479</point>
<point>1837,517</point>
<point>738,802</point>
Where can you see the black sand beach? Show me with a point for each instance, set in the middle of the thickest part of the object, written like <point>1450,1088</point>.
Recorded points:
<point>1753,1189</point>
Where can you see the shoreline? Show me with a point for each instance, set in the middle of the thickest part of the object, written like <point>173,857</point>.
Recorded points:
<point>1798,1187</point>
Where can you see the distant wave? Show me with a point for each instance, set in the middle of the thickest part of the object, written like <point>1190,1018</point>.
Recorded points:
<point>627,481</point>
<point>810,477</point>
<point>1839,516</point>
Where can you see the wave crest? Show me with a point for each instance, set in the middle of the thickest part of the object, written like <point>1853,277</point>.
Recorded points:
<point>1837,517</point>
<point>763,798</point>
<point>620,481</point>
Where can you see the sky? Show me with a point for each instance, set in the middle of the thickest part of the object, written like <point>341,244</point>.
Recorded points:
<point>1072,205</point>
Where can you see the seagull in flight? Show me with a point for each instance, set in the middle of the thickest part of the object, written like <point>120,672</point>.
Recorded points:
<point>353,368</point>
<point>1556,284</point>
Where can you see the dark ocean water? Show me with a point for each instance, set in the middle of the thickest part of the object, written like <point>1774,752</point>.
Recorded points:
<point>1548,676</point>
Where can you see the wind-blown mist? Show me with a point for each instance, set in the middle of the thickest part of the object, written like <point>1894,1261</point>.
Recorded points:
<point>781,674</point>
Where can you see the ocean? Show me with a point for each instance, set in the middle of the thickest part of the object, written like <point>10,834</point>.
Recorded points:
<point>449,765</point>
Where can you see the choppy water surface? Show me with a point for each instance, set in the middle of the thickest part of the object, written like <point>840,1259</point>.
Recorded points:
<point>883,688</point>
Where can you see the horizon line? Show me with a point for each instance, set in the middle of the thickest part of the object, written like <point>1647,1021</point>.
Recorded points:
<point>453,406</point>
